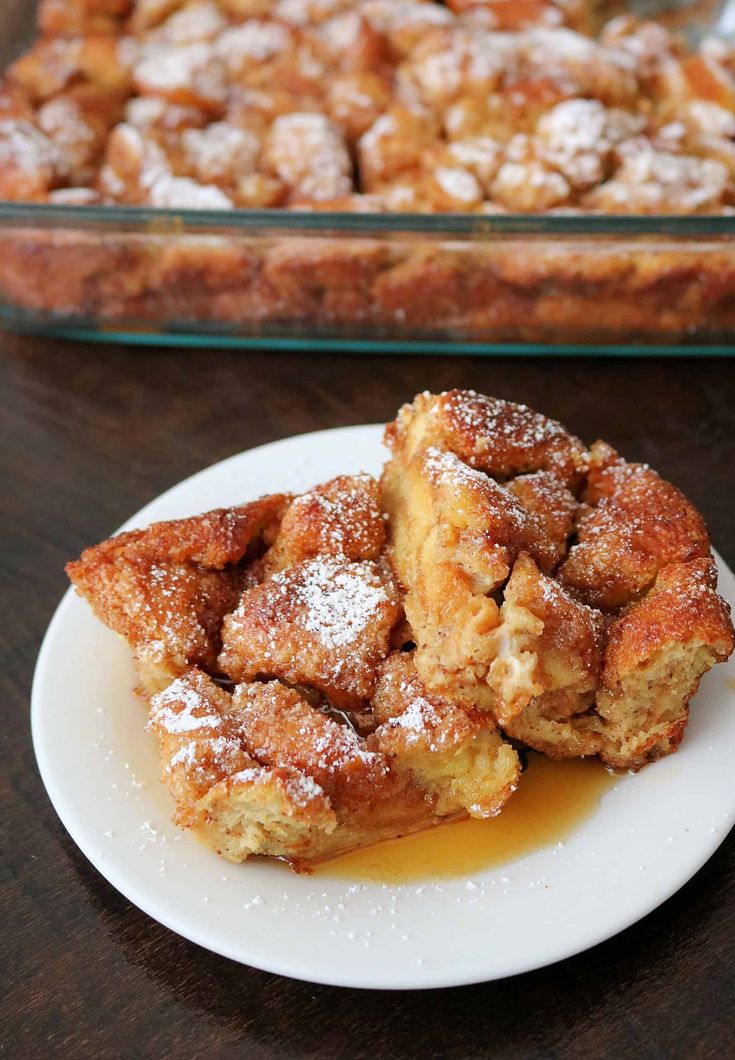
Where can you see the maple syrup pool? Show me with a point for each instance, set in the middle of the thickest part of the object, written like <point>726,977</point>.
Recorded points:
<point>552,800</point>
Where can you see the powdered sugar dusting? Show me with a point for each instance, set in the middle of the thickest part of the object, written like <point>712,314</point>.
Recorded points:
<point>168,69</point>
<point>303,789</point>
<point>420,719</point>
<point>650,181</point>
<point>182,193</point>
<point>458,184</point>
<point>501,432</point>
<point>340,601</point>
<point>337,746</point>
<point>173,710</point>
<point>254,41</point>
<point>300,789</point>
<point>440,463</point>
<point>221,151</point>
<point>190,753</point>
<point>308,153</point>
<point>343,514</point>
<point>199,21</point>
<point>578,134</point>
<point>24,147</point>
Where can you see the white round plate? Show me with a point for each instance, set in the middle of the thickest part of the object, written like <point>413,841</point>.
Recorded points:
<point>649,835</point>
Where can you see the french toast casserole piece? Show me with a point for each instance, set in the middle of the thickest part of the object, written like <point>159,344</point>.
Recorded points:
<point>270,642</point>
<point>348,665</point>
<point>565,591</point>
<point>369,106</point>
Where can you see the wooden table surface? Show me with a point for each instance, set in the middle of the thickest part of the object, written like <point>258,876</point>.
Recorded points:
<point>90,434</point>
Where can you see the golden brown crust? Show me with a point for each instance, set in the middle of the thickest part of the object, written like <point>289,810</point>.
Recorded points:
<point>213,539</point>
<point>262,771</point>
<point>280,728</point>
<point>553,506</point>
<point>657,652</point>
<point>199,743</point>
<point>53,65</point>
<point>495,436</point>
<point>409,715</point>
<point>167,588</point>
<point>635,524</point>
<point>682,607</point>
<point>341,518</point>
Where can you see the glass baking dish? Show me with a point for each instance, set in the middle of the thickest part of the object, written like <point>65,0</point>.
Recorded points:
<point>436,283</point>
<point>395,282</point>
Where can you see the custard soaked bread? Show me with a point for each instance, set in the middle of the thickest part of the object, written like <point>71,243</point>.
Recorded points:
<point>566,592</point>
<point>267,638</point>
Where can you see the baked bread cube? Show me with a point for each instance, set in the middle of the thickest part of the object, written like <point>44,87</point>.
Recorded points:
<point>167,588</point>
<point>578,608</point>
<point>341,518</point>
<point>228,800</point>
<point>491,435</point>
<point>457,755</point>
<point>633,524</point>
<point>657,651</point>
<point>323,622</point>
<point>262,771</point>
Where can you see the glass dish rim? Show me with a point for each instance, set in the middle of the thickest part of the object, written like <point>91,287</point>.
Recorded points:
<point>156,220</point>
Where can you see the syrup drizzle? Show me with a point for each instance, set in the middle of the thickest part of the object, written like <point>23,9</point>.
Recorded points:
<point>552,800</point>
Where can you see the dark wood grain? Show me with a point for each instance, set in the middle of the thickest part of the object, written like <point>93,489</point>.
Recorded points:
<point>89,435</point>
